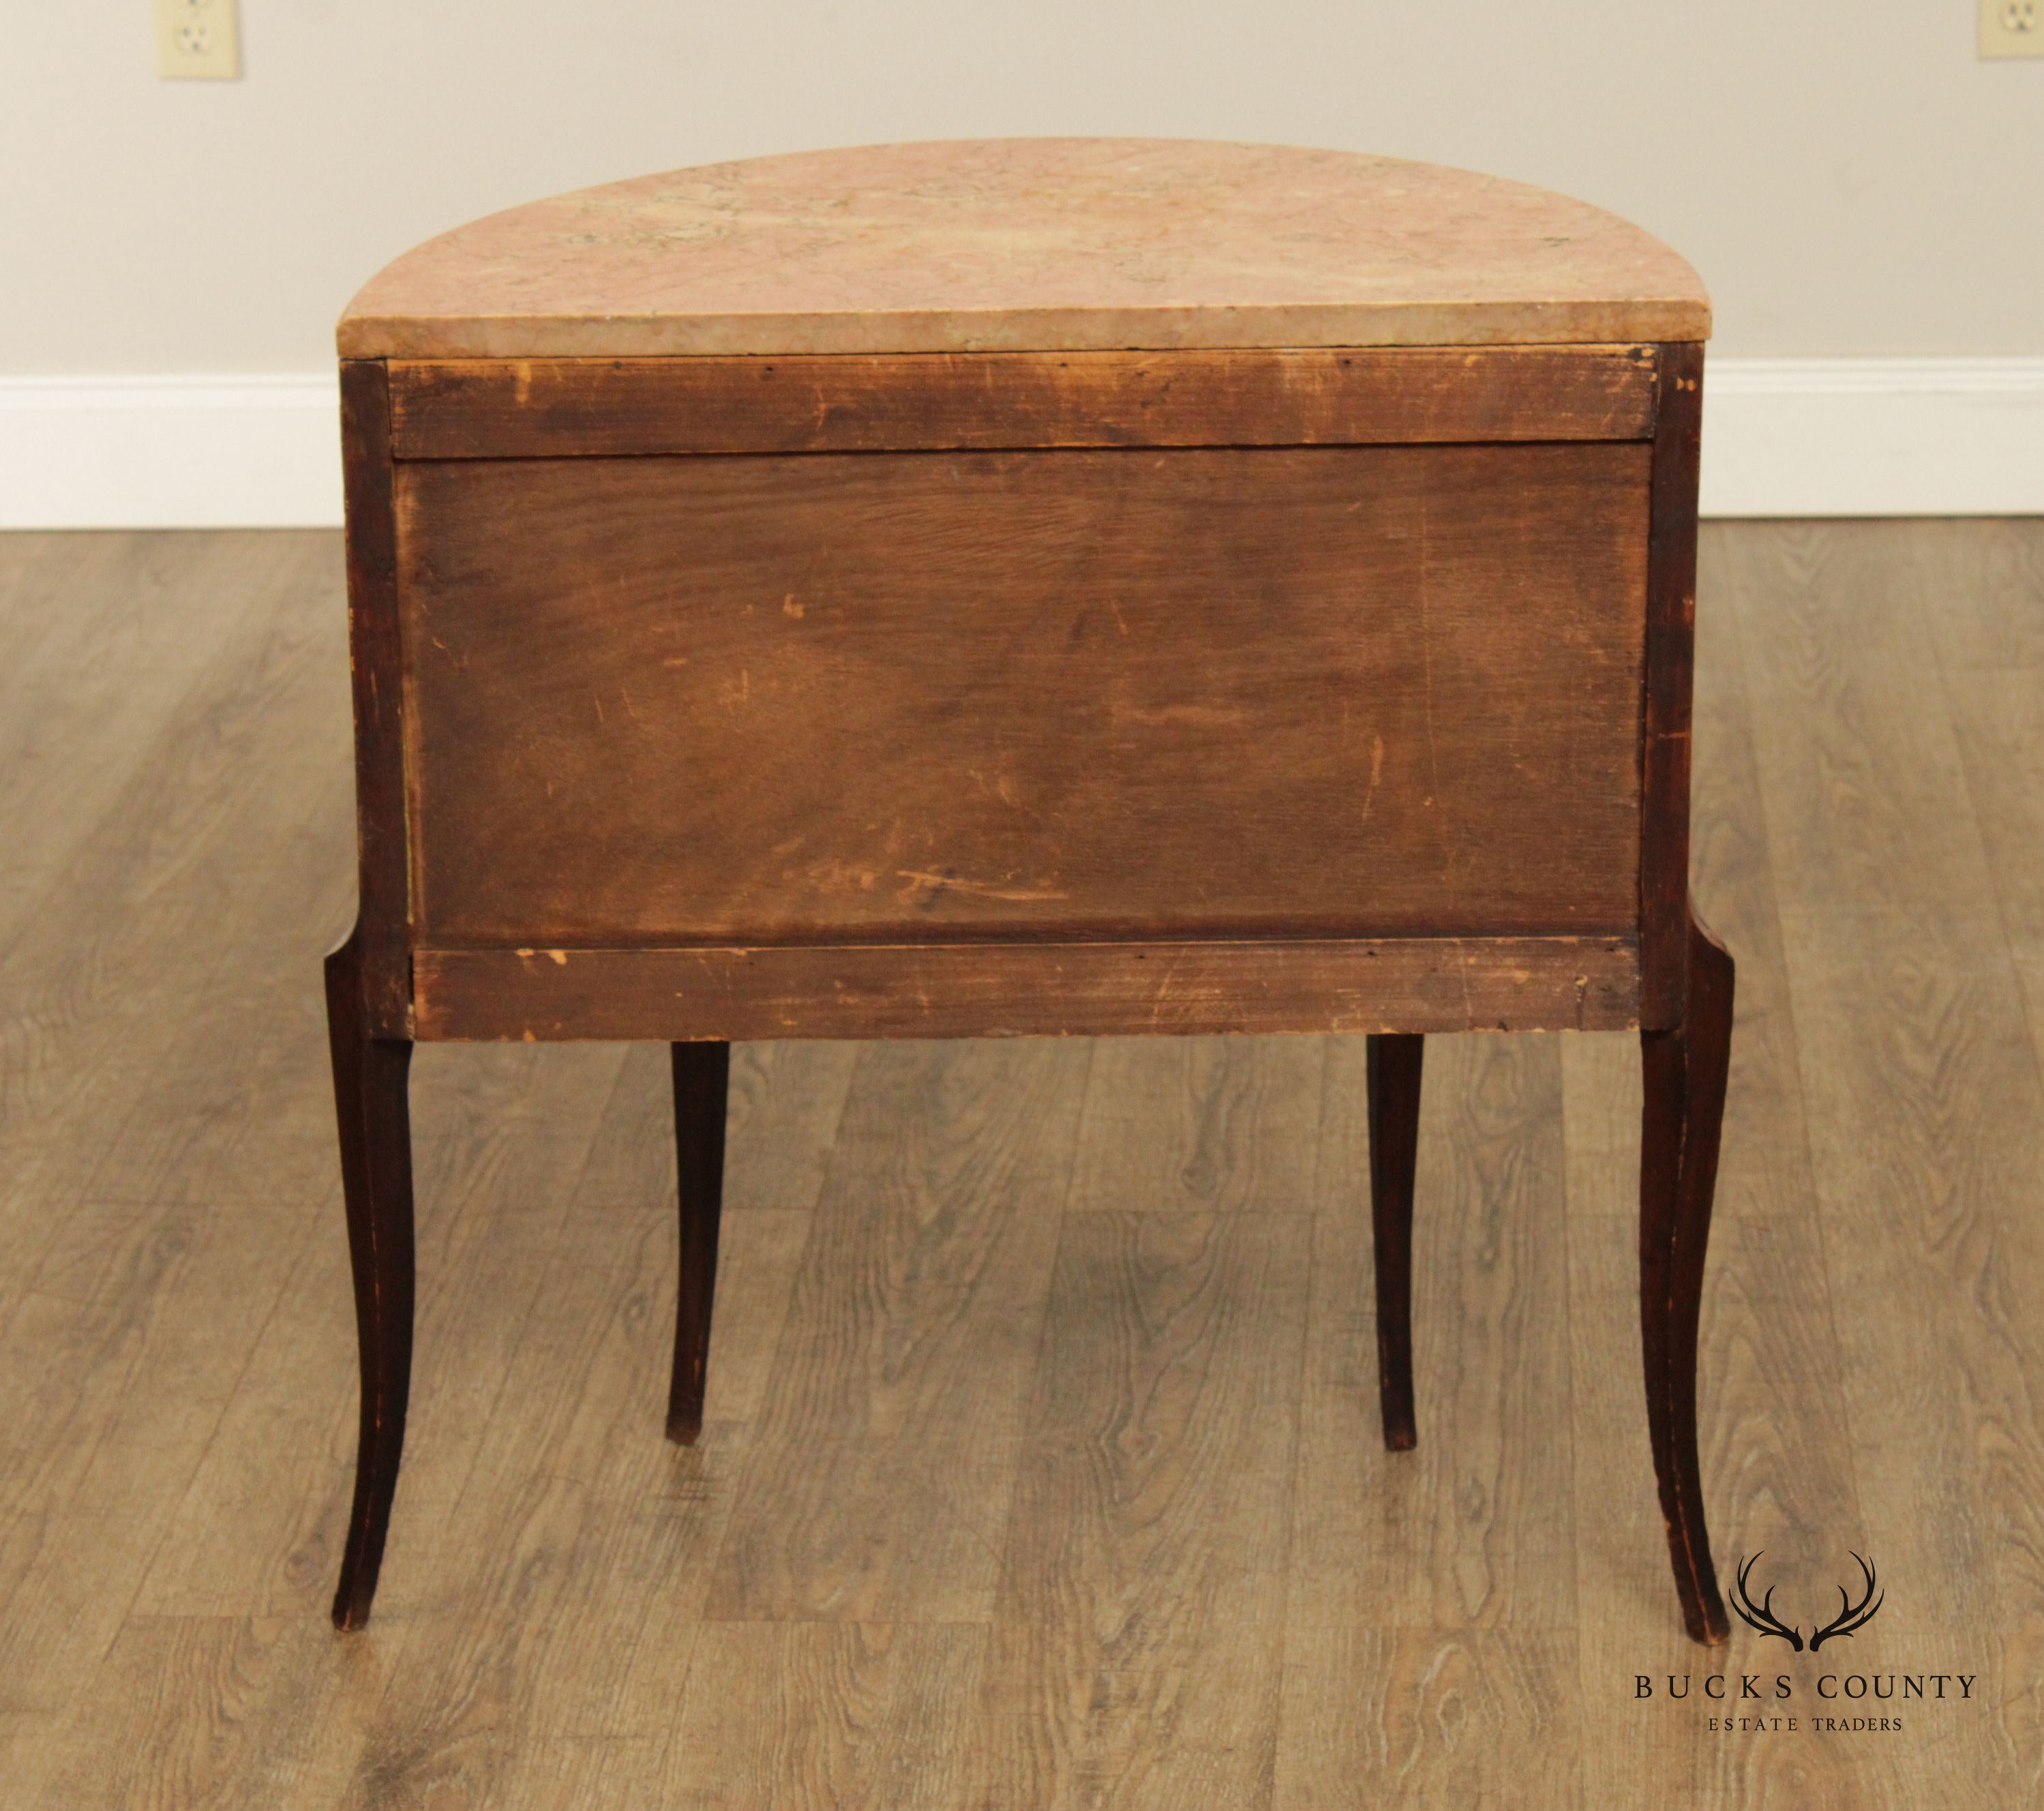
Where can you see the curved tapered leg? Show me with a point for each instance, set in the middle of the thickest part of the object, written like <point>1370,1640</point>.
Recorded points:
<point>1393,1082</point>
<point>370,1077</point>
<point>1685,1070</point>
<point>702,1080</point>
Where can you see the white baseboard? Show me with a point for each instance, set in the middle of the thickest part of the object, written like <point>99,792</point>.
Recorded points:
<point>1781,437</point>
<point>1873,437</point>
<point>170,452</point>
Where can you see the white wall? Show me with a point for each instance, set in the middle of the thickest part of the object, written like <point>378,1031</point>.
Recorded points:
<point>1847,176</point>
<point>1849,180</point>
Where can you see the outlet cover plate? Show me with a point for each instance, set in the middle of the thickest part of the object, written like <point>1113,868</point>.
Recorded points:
<point>198,41</point>
<point>2011,27</point>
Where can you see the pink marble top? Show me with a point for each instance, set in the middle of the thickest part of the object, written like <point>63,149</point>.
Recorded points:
<point>1045,244</point>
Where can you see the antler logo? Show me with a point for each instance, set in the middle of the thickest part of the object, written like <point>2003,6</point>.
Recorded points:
<point>1761,1616</point>
<point>1851,1617</point>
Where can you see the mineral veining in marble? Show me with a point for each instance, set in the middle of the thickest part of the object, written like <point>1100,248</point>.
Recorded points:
<point>1046,245</point>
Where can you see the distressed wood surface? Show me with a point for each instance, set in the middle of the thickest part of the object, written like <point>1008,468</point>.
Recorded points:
<point>383,926</point>
<point>175,1344</point>
<point>1009,989</point>
<point>558,407</point>
<point>682,701</point>
<point>1670,657</point>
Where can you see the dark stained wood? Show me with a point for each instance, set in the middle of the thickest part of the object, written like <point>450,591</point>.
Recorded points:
<point>1671,621</point>
<point>1006,990</point>
<point>1686,1074</point>
<point>1007,693</point>
<point>371,1106</point>
<point>702,1081</point>
<point>887,696</point>
<point>1395,1063</point>
<point>383,913</point>
<point>511,408</point>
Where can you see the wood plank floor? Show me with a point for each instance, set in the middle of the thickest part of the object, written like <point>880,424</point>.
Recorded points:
<point>1042,1466</point>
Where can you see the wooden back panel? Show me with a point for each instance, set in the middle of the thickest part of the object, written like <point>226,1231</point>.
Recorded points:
<point>562,408</point>
<point>1342,691</point>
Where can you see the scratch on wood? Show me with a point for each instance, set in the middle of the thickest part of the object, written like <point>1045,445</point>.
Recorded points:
<point>1166,985</point>
<point>1376,775</point>
<point>980,889</point>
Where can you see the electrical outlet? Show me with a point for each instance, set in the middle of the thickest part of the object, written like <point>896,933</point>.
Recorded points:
<point>2011,27</point>
<point>198,39</point>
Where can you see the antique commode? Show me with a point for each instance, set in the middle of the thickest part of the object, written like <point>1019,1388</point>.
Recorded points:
<point>1029,586</point>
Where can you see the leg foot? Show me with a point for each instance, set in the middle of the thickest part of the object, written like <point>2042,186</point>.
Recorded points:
<point>370,1076</point>
<point>1685,1070</point>
<point>1393,1069</point>
<point>702,1076</point>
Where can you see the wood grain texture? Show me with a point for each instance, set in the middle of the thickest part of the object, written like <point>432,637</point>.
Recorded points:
<point>1001,991</point>
<point>669,700</point>
<point>1133,1660</point>
<point>1776,1450</point>
<point>211,1711</point>
<point>137,1280</point>
<point>1458,1532</point>
<point>1926,1114</point>
<point>376,660</point>
<point>231,705</point>
<point>588,1519</point>
<point>498,1146</point>
<point>1387,1716</point>
<point>119,1361</point>
<point>882,1482</point>
<point>830,1714</point>
<point>174,1336</point>
<point>1199,1126</point>
<point>372,1106</point>
<point>1683,1117</point>
<point>1984,585</point>
<point>784,1101</point>
<point>564,407</point>
<point>105,665</point>
<point>1671,618</point>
